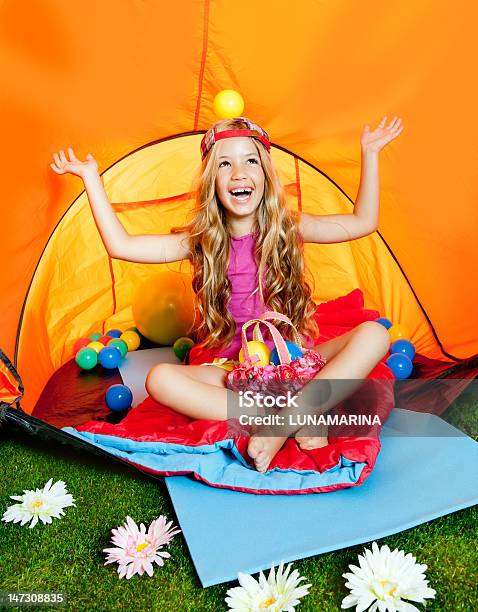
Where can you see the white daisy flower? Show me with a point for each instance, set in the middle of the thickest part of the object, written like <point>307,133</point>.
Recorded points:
<point>136,550</point>
<point>43,504</point>
<point>384,580</point>
<point>280,592</point>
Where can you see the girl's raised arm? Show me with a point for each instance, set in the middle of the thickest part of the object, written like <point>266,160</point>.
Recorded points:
<point>159,248</point>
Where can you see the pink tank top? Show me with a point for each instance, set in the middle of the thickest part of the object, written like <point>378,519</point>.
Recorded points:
<point>245,302</point>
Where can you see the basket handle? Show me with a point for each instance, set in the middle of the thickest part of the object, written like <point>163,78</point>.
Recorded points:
<point>272,314</point>
<point>279,343</point>
<point>277,338</point>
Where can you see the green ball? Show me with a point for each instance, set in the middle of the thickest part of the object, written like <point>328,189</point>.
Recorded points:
<point>120,345</point>
<point>94,337</point>
<point>182,346</point>
<point>86,358</point>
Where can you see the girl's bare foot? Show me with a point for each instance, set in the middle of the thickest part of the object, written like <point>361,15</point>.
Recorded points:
<point>308,439</point>
<point>263,449</point>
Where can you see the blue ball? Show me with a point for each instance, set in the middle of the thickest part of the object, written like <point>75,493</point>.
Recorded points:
<point>119,398</point>
<point>385,322</point>
<point>400,364</point>
<point>109,357</point>
<point>403,346</point>
<point>294,353</point>
<point>114,333</point>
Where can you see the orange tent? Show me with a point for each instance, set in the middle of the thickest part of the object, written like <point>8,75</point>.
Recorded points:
<point>133,83</point>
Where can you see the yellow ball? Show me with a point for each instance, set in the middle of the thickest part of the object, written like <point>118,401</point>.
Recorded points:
<point>132,340</point>
<point>228,103</point>
<point>96,345</point>
<point>399,332</point>
<point>163,308</point>
<point>257,348</point>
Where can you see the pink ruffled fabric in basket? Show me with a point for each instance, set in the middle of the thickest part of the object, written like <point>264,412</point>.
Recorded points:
<point>276,378</point>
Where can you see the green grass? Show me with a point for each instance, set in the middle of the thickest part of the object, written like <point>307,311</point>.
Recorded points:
<point>67,555</point>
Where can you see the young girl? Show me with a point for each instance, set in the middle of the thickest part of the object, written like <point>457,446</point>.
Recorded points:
<point>245,246</point>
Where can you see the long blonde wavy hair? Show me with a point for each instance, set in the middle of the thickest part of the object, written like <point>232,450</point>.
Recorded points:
<point>278,254</point>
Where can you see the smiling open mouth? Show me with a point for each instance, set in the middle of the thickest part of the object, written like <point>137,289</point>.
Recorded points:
<point>241,195</point>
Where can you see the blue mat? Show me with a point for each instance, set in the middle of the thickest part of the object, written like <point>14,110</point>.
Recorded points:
<point>418,477</point>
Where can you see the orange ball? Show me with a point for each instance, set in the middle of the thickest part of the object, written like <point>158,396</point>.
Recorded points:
<point>399,332</point>
<point>132,340</point>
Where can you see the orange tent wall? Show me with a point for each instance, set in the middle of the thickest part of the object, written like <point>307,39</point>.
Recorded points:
<point>111,77</point>
<point>78,289</point>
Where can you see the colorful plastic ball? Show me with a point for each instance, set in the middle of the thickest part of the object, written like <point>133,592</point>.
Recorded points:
<point>95,336</point>
<point>135,329</point>
<point>104,340</point>
<point>228,103</point>
<point>385,322</point>
<point>86,358</point>
<point>182,346</point>
<point>118,398</point>
<point>114,333</point>
<point>109,357</point>
<point>399,332</point>
<point>293,349</point>
<point>163,308</point>
<point>120,345</point>
<point>400,365</point>
<point>257,348</point>
<point>96,345</point>
<point>132,340</point>
<point>79,344</point>
<point>405,347</point>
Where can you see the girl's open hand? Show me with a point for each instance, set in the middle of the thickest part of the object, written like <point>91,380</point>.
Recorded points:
<point>374,141</point>
<point>73,165</point>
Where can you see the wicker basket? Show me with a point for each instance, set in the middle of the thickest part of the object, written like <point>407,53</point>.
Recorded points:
<point>289,375</point>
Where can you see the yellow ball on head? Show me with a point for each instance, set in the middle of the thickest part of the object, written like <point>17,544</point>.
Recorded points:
<point>228,103</point>
<point>257,348</point>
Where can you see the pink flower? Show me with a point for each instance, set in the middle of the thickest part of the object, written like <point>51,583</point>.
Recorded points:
<point>136,550</point>
<point>286,372</point>
<point>315,359</point>
<point>237,374</point>
<point>269,373</point>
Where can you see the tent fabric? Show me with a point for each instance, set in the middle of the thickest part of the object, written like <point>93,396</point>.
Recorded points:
<point>56,321</point>
<point>72,397</point>
<point>309,78</point>
<point>11,386</point>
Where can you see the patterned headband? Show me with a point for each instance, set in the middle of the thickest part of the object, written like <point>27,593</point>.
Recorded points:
<point>254,130</point>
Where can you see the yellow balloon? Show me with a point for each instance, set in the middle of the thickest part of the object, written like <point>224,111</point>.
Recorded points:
<point>163,308</point>
<point>96,345</point>
<point>132,340</point>
<point>228,103</point>
<point>257,348</point>
<point>398,332</point>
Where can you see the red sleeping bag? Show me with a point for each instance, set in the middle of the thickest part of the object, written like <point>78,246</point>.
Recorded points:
<point>157,439</point>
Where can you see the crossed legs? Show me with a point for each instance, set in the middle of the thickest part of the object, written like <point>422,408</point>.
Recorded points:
<point>351,356</point>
